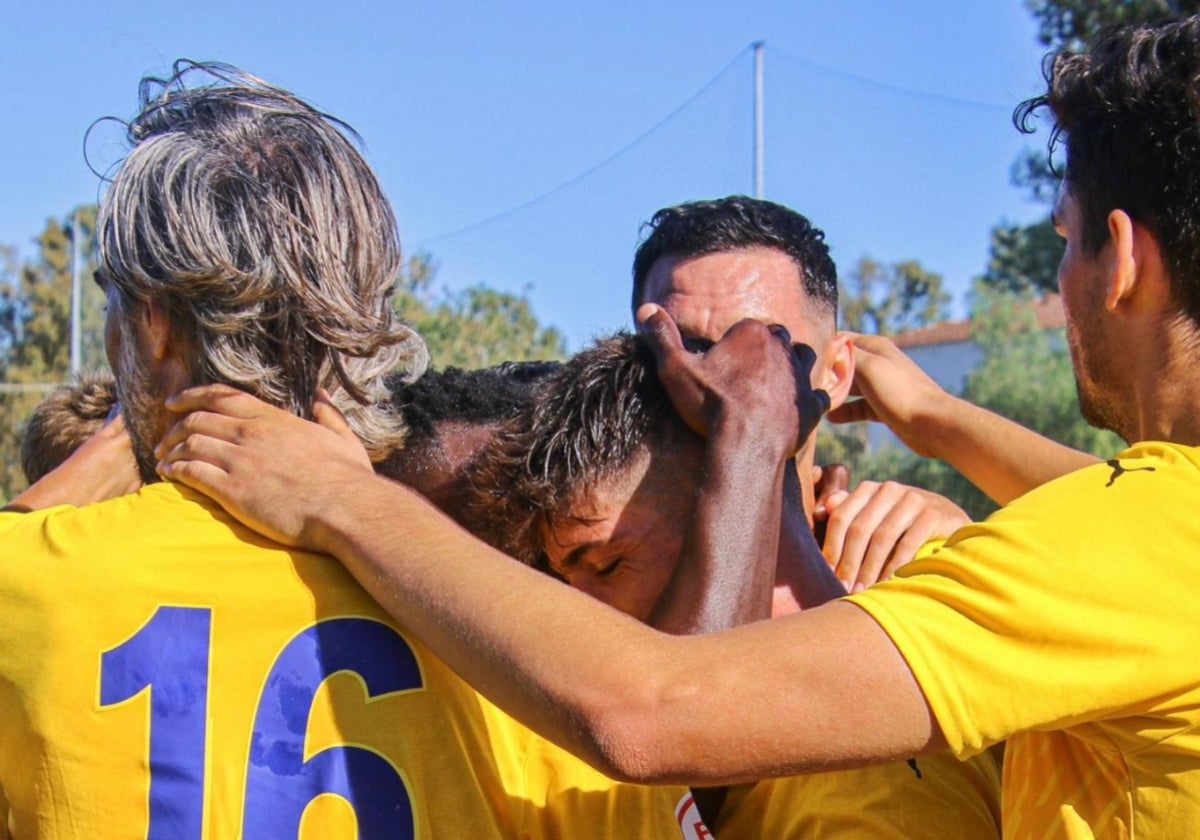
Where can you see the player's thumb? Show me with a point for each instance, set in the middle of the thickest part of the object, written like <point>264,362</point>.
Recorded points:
<point>661,333</point>
<point>330,416</point>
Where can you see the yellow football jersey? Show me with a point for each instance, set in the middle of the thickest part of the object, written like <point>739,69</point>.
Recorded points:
<point>1066,623</point>
<point>166,673</point>
<point>935,797</point>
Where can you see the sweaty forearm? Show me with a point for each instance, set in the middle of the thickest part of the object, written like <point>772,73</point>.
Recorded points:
<point>490,618</point>
<point>1002,458</point>
<point>726,573</point>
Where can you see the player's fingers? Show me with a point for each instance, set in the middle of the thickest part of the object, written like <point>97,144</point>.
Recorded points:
<point>201,476</point>
<point>852,411</point>
<point>827,481</point>
<point>908,546</point>
<point>843,511</point>
<point>660,330</point>
<point>217,398</point>
<point>330,416</point>
<point>833,478</point>
<point>861,556</point>
<point>198,448</point>
<point>873,345</point>
<point>201,423</point>
<point>662,334</point>
<point>826,502</point>
<point>822,403</point>
<point>892,523</point>
<point>805,358</point>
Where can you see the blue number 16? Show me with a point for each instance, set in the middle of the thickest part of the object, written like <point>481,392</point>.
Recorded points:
<point>169,656</point>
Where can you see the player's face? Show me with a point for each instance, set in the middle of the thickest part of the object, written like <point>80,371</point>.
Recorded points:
<point>707,295</point>
<point>622,542</point>
<point>1081,282</point>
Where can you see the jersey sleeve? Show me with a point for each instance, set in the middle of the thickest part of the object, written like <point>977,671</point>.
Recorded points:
<point>1073,603</point>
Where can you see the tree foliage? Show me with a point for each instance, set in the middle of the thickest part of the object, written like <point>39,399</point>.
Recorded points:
<point>476,327</point>
<point>890,299</point>
<point>35,327</point>
<point>1024,259</point>
<point>1072,23</point>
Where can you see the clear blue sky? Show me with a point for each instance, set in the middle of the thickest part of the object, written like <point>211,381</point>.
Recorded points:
<point>887,121</point>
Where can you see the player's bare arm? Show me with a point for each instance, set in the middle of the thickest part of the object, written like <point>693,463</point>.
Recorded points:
<point>1002,458</point>
<point>102,468</point>
<point>770,698</point>
<point>725,578</point>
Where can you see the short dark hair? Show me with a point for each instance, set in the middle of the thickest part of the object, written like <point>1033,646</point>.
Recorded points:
<point>727,224</point>
<point>485,396</point>
<point>588,422</point>
<point>1128,109</point>
<point>488,397</point>
<point>63,421</point>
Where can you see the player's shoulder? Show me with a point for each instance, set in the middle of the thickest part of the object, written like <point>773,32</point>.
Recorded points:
<point>1147,475</point>
<point>156,508</point>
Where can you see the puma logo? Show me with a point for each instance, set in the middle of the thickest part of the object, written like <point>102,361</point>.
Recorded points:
<point>1119,471</point>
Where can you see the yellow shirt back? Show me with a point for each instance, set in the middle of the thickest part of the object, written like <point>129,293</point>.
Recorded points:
<point>165,673</point>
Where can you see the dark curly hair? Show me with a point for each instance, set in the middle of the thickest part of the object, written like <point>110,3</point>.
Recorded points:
<point>1128,111</point>
<point>727,224</point>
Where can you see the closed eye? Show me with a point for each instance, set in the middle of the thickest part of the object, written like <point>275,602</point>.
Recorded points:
<point>610,568</point>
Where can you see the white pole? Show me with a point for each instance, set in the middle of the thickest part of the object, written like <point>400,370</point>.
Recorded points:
<point>76,295</point>
<point>759,191</point>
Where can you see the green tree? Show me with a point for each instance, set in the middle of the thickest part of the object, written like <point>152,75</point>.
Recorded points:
<point>41,349</point>
<point>1072,23</point>
<point>1026,373</point>
<point>1024,258</point>
<point>476,327</point>
<point>891,299</point>
<point>35,328</point>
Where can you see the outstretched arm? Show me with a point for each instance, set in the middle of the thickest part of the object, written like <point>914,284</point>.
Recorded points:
<point>768,698</point>
<point>1000,457</point>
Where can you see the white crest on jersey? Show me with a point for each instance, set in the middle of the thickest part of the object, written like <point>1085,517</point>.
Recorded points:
<point>691,825</point>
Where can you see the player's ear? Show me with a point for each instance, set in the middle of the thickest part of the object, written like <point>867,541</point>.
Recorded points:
<point>158,329</point>
<point>836,371</point>
<point>1138,275</point>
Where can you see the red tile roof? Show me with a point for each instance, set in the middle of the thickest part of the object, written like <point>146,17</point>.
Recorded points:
<point>1049,316</point>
